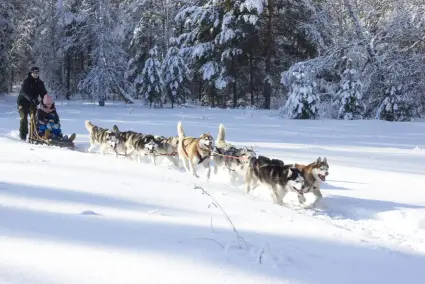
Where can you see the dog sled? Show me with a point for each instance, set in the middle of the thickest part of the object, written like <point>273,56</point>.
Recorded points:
<point>34,138</point>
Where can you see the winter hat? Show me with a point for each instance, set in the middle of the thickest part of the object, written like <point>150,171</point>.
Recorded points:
<point>47,100</point>
<point>35,69</point>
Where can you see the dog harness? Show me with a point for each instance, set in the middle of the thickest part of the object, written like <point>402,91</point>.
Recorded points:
<point>201,159</point>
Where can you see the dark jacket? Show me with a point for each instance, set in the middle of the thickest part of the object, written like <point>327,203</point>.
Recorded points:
<point>43,116</point>
<point>31,89</point>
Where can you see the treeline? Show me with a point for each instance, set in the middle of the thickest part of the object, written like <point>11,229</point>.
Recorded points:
<point>342,59</point>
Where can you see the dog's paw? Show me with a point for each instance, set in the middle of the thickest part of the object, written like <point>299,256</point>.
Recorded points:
<point>301,199</point>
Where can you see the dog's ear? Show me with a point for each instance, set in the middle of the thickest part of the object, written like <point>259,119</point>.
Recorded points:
<point>325,160</point>
<point>115,128</point>
<point>319,160</point>
<point>289,173</point>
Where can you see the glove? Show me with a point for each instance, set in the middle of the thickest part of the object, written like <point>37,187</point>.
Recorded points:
<point>56,126</point>
<point>49,126</point>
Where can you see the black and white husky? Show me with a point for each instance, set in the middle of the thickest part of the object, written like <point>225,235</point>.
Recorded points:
<point>280,178</point>
<point>106,139</point>
<point>135,143</point>
<point>228,157</point>
<point>167,147</point>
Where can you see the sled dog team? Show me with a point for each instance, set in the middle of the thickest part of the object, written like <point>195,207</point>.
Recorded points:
<point>281,178</point>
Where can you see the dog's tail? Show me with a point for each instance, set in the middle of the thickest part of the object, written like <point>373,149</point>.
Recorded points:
<point>300,167</point>
<point>221,137</point>
<point>180,132</point>
<point>89,125</point>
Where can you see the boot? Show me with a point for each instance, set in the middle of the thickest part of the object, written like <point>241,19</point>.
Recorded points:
<point>72,137</point>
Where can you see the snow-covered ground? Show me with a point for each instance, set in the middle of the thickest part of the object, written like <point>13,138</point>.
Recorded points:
<point>76,217</point>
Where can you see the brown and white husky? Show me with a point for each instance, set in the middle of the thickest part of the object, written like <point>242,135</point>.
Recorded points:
<point>314,174</point>
<point>195,150</point>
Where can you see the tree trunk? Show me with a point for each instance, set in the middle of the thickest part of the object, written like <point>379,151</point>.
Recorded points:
<point>53,30</point>
<point>251,77</point>
<point>12,80</point>
<point>200,89</point>
<point>68,76</point>
<point>213,95</point>
<point>267,91</point>
<point>82,62</point>
<point>89,59</point>
<point>234,88</point>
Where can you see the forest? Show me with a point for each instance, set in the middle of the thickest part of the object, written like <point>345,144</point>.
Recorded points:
<point>308,59</point>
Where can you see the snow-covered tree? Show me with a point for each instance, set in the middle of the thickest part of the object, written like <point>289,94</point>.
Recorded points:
<point>302,102</point>
<point>148,23</point>
<point>107,56</point>
<point>48,49</point>
<point>201,22</point>
<point>6,37</point>
<point>150,79</point>
<point>175,75</point>
<point>349,97</point>
<point>235,49</point>
<point>396,106</point>
<point>238,24</point>
<point>144,25</point>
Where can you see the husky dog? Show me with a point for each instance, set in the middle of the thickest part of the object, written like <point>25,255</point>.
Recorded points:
<point>227,155</point>
<point>195,150</point>
<point>105,138</point>
<point>168,148</point>
<point>144,145</point>
<point>136,143</point>
<point>279,177</point>
<point>314,174</point>
<point>125,148</point>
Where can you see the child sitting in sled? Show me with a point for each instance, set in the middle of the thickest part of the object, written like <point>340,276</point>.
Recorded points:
<point>48,124</point>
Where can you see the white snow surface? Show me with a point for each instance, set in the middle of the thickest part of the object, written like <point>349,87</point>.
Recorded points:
<point>77,217</point>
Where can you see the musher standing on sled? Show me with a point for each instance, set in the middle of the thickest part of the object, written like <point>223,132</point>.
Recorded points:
<point>32,88</point>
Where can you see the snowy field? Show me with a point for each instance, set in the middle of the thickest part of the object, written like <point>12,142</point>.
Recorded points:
<point>76,217</point>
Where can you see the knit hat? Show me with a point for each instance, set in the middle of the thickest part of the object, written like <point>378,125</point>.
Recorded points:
<point>35,69</point>
<point>47,100</point>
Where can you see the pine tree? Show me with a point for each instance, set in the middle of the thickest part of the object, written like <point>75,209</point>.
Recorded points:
<point>201,23</point>
<point>48,48</point>
<point>302,102</point>
<point>134,67</point>
<point>107,56</point>
<point>150,79</point>
<point>144,24</point>
<point>350,96</point>
<point>6,37</point>
<point>175,75</point>
<point>237,25</point>
<point>396,106</point>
